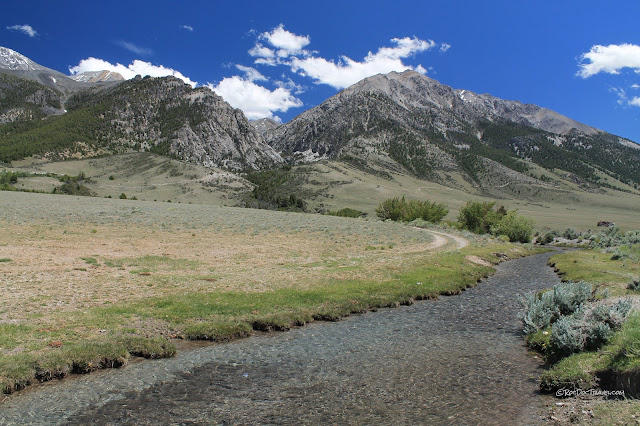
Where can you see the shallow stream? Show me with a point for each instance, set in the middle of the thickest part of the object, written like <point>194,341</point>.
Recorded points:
<point>458,360</point>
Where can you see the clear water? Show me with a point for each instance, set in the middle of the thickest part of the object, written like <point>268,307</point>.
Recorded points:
<point>457,360</point>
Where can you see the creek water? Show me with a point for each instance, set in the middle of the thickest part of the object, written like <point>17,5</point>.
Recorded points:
<point>456,360</point>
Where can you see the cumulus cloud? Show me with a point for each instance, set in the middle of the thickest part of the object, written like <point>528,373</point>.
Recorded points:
<point>254,100</point>
<point>635,86</point>
<point>137,67</point>
<point>280,47</point>
<point>264,55</point>
<point>251,74</point>
<point>635,101</point>
<point>286,42</point>
<point>347,71</point>
<point>187,27</point>
<point>610,59</point>
<point>27,29</point>
<point>444,47</point>
<point>143,51</point>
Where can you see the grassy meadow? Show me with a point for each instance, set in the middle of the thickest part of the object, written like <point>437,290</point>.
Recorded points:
<point>333,185</point>
<point>87,282</point>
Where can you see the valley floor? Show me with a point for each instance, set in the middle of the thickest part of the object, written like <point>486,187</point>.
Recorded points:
<point>87,282</point>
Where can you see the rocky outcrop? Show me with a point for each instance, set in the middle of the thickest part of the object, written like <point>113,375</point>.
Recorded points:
<point>263,125</point>
<point>97,76</point>
<point>169,117</point>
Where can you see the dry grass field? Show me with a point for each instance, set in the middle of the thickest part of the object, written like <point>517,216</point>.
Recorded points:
<point>70,253</point>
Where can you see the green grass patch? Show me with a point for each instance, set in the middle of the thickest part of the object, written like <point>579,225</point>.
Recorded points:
<point>539,341</point>
<point>598,268</point>
<point>216,331</point>
<point>11,335</point>
<point>574,372</point>
<point>150,348</point>
<point>152,263</point>
<point>90,260</point>
<point>4,260</point>
<point>623,352</point>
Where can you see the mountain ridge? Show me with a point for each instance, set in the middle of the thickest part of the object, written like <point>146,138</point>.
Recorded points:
<point>400,122</point>
<point>430,130</point>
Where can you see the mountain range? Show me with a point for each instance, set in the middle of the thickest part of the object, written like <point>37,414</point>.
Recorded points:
<point>394,123</point>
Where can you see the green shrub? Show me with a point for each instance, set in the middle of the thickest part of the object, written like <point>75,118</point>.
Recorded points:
<point>571,234</point>
<point>399,209</point>
<point>518,228</point>
<point>548,237</point>
<point>123,196</point>
<point>347,212</point>
<point>479,217</point>
<point>634,285</point>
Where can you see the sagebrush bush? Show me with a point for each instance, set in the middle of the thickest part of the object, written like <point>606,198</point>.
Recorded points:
<point>567,336</point>
<point>613,315</point>
<point>540,310</point>
<point>589,328</point>
<point>568,297</point>
<point>634,285</point>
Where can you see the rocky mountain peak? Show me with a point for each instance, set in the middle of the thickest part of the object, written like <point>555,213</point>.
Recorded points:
<point>97,76</point>
<point>414,90</point>
<point>263,125</point>
<point>14,61</point>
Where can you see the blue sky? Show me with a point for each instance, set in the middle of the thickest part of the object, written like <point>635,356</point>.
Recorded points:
<point>579,58</point>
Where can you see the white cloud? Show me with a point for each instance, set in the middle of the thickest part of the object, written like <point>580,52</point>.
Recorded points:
<point>143,51</point>
<point>444,47</point>
<point>621,94</point>
<point>286,42</point>
<point>187,27</point>
<point>136,67</point>
<point>284,48</point>
<point>610,59</point>
<point>421,69</point>
<point>251,74</point>
<point>623,99</point>
<point>261,51</point>
<point>254,100</point>
<point>290,85</point>
<point>27,29</point>
<point>635,86</point>
<point>347,71</point>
